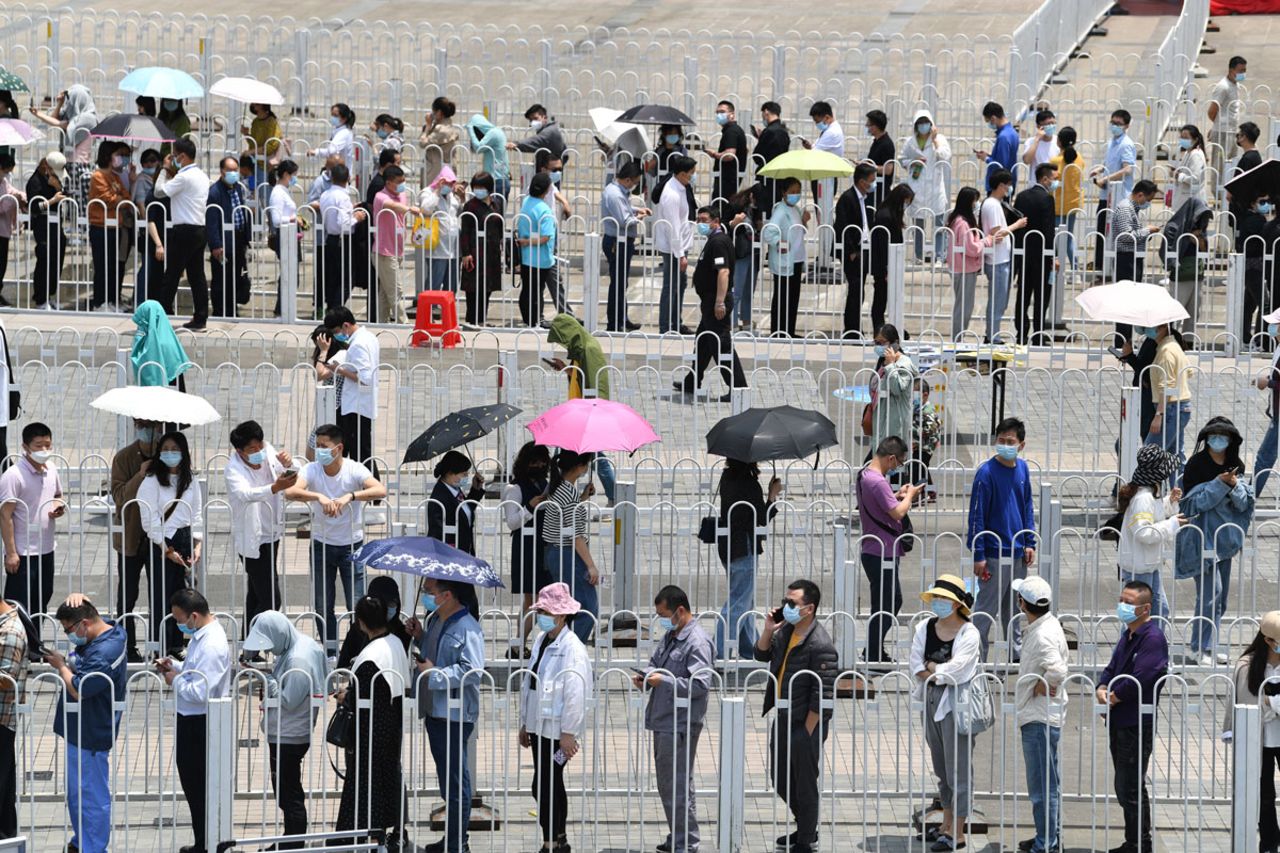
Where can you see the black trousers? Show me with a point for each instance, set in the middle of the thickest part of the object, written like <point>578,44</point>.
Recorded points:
<point>713,340</point>
<point>165,577</point>
<point>230,279</point>
<point>1035,290</point>
<point>48,271</point>
<point>32,585</point>
<point>189,747</point>
<point>286,781</point>
<point>886,602</point>
<point>104,248</point>
<point>357,437</point>
<point>262,586</point>
<point>9,784</point>
<point>548,788</point>
<point>128,582</point>
<point>1258,302</point>
<point>184,254</point>
<point>337,272</point>
<point>1129,267</point>
<point>1131,762</point>
<point>786,301</point>
<point>795,757</point>
<point>1268,828</point>
<point>855,278</point>
<point>532,282</point>
<point>618,255</point>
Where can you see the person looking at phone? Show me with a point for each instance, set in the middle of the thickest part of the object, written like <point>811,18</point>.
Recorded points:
<point>30,505</point>
<point>257,475</point>
<point>172,508</point>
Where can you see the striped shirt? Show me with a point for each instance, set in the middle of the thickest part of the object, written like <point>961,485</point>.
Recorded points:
<point>1125,227</point>
<point>13,665</point>
<point>565,516</point>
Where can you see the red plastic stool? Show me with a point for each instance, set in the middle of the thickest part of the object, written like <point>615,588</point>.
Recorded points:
<point>436,320</point>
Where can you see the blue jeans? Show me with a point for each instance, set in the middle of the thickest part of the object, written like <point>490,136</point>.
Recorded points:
<point>1176,418</point>
<point>1068,244</point>
<point>449,742</point>
<point>89,798</point>
<point>1265,461</point>
<point>1160,603</point>
<point>742,588</point>
<point>939,236</point>
<point>1040,751</point>
<point>604,470</point>
<point>997,296</point>
<point>442,275</point>
<point>670,303</point>
<point>744,285</point>
<point>1212,586</point>
<point>563,564</point>
<point>326,562</point>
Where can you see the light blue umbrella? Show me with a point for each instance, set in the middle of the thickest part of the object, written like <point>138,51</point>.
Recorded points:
<point>158,82</point>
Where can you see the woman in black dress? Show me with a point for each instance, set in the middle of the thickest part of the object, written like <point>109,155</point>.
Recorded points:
<point>527,489</point>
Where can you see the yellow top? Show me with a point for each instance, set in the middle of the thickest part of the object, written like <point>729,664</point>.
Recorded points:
<point>1070,195</point>
<point>796,639</point>
<point>266,135</point>
<point>1169,373</point>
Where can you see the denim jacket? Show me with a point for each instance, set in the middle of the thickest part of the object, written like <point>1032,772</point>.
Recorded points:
<point>458,659</point>
<point>1219,519</point>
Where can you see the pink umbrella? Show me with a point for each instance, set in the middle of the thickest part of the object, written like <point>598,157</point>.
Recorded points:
<point>587,425</point>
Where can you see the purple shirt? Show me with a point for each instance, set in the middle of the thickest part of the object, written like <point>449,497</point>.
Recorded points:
<point>876,500</point>
<point>33,492</point>
<point>1142,654</point>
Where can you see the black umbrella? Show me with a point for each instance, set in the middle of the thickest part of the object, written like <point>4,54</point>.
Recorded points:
<point>457,429</point>
<point>782,432</point>
<point>136,127</point>
<point>1263,180</point>
<point>655,114</point>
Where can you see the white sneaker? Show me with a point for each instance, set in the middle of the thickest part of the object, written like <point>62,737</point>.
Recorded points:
<point>104,308</point>
<point>1223,659</point>
<point>1206,659</point>
<point>48,306</point>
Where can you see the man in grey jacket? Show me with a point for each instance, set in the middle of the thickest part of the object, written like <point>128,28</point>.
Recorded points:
<point>681,667</point>
<point>546,134</point>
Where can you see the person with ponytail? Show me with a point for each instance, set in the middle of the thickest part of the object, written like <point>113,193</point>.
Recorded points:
<point>281,209</point>
<point>564,524</point>
<point>1068,199</point>
<point>1257,682</point>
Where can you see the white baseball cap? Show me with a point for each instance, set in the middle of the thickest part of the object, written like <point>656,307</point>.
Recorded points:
<point>57,161</point>
<point>1034,590</point>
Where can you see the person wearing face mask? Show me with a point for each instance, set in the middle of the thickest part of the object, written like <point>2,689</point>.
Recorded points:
<point>439,138</point>
<point>853,220</point>
<point>881,514</point>
<point>202,675</point>
<point>144,180</point>
<point>385,589</point>
<point>536,237</point>
<point>1189,177</point>
<point>712,281</point>
<point>171,503</point>
<point>744,510</point>
<point>342,140</point>
<point>263,138</point>
<point>338,223</point>
<point>1039,148</point>
<point>93,682</point>
<point>1128,692</point>
<point>887,230</point>
<point>620,221</point>
<point>1127,236</point>
<point>926,159</point>
<point>389,132</point>
<point>173,115</point>
<point>945,658</point>
<point>108,212</point>
<point>553,703</point>
<point>452,505</point>
<point>187,188</point>
<point>803,665</point>
<point>997,265</point>
<point>1148,525</point>
<point>673,238</point>
<point>1265,462</point>
<point>545,135</point>
<point>565,524</point>
<point>256,476</point>
<point>544,162</point>
<point>447,679</point>
<point>75,114</point>
<point>784,235</point>
<point>1002,533</point>
<point>670,144</point>
<point>882,153</point>
<point>129,466</point>
<point>1220,502</point>
<point>1250,228</point>
<point>46,190</point>
<point>1257,684</point>
<point>1170,394</point>
<point>731,155</point>
<point>339,487</point>
<point>30,505</point>
<point>771,141</point>
<point>1115,177</point>
<point>1035,282</point>
<point>1223,110</point>
<point>390,207</point>
<point>442,201</point>
<point>520,499</point>
<point>968,246</point>
<point>892,390</point>
<point>281,209</point>
<point>1003,154</point>
<point>228,224</point>
<point>678,679</point>
<point>480,245</point>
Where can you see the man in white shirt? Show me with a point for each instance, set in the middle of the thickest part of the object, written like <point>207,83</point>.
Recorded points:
<point>358,396</point>
<point>1224,113</point>
<point>256,476</point>
<point>203,675</point>
<point>338,218</point>
<point>1040,148</point>
<point>997,265</point>
<point>673,238</point>
<point>831,140</point>
<point>339,487</point>
<point>30,504</point>
<point>187,188</point>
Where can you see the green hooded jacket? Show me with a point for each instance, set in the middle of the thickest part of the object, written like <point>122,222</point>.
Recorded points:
<point>584,352</point>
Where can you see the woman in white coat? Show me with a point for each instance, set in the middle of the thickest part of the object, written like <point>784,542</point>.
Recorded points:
<point>945,656</point>
<point>926,162</point>
<point>1150,523</point>
<point>553,701</point>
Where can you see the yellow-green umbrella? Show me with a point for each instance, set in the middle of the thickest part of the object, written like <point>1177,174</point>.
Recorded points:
<point>806,165</point>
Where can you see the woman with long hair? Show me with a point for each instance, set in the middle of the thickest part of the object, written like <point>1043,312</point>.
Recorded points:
<point>1189,176</point>
<point>109,212</point>
<point>1257,683</point>
<point>527,489</point>
<point>890,220</point>
<point>171,507</point>
<point>965,257</point>
<point>744,509</point>
<point>1068,198</point>
<point>784,234</point>
<point>342,140</point>
<point>565,519</point>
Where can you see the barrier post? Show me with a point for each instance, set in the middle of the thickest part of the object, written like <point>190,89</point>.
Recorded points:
<point>733,758</point>
<point>896,308</point>
<point>929,88</point>
<point>302,56</point>
<point>1130,429</point>
<point>53,33</point>
<point>509,393</point>
<point>779,69</point>
<point>846,593</point>
<point>1246,746</point>
<point>691,84</point>
<point>220,751</point>
<point>397,96</point>
<point>442,70</point>
<point>1236,342</point>
<point>289,268</point>
<point>591,244</point>
<point>1050,526</point>
<point>624,545</point>
<point>544,70</point>
<point>206,71</point>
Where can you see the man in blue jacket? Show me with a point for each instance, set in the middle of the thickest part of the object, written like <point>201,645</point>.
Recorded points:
<point>227,223</point>
<point>1002,529</point>
<point>93,677</point>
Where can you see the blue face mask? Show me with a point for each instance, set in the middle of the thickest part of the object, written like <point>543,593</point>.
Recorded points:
<point>1117,130</point>
<point>428,602</point>
<point>1126,613</point>
<point>324,455</point>
<point>941,607</point>
<point>232,178</point>
<point>186,629</point>
<point>1218,442</point>
<point>169,104</point>
<point>1054,184</point>
<point>793,199</point>
<point>1142,206</point>
<point>822,126</point>
<point>391,613</point>
<point>76,640</point>
<point>672,138</point>
<point>481,194</point>
<point>1240,77</point>
<point>924,128</point>
<point>383,133</point>
<point>146,435</point>
<point>665,623</point>
<point>879,350</point>
<point>555,178</point>
<point>991,125</point>
<point>1007,451</point>
<point>546,623</point>
<point>342,338</point>
<point>258,457</point>
<point>171,458</point>
<point>704,228</point>
<point>1145,331</point>
<point>1184,144</point>
<point>1273,329</point>
<point>335,121</point>
<point>722,119</point>
<point>149,170</point>
<point>791,614</point>
<point>1050,129</point>
<point>1264,207</point>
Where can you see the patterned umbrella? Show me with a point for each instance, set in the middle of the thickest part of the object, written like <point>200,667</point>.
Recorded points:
<point>135,127</point>
<point>12,82</point>
<point>427,558</point>
<point>459,428</point>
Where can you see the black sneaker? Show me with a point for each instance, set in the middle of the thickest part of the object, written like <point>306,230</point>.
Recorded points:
<point>1026,846</point>
<point>134,656</point>
<point>663,847</point>
<point>685,330</point>
<point>194,325</point>
<point>632,327</point>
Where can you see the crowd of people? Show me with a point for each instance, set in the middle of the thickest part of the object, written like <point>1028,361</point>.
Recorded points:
<point>469,231</point>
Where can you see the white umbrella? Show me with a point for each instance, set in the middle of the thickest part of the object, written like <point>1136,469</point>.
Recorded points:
<point>247,90</point>
<point>620,135</point>
<point>157,403</point>
<point>1131,302</point>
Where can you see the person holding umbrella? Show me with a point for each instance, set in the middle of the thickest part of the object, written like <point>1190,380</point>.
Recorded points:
<point>451,508</point>
<point>567,555</point>
<point>743,510</point>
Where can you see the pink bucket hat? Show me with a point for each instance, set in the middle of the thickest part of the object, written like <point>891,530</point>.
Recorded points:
<point>556,600</point>
<point>446,176</point>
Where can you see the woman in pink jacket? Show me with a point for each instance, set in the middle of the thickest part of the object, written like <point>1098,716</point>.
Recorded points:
<point>965,256</point>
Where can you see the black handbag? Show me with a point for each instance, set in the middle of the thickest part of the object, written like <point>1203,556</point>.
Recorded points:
<point>15,396</point>
<point>707,527</point>
<point>342,725</point>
